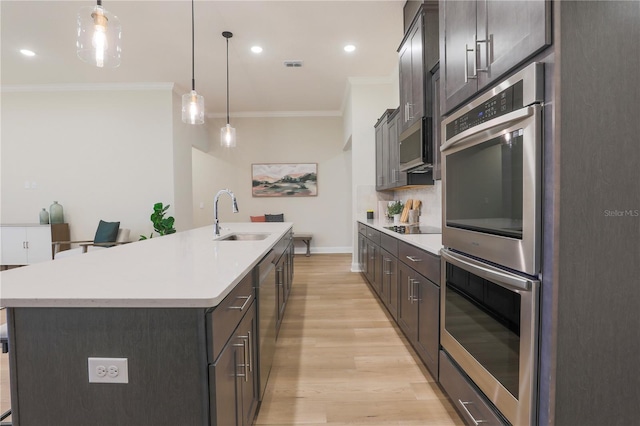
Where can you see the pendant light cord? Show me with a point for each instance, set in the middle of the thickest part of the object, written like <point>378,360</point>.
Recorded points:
<point>193,54</point>
<point>227,80</point>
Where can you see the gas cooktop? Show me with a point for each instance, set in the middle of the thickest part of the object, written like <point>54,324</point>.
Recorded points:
<point>414,229</point>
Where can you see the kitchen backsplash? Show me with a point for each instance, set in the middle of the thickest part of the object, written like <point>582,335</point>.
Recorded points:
<point>367,198</point>
<point>431,198</point>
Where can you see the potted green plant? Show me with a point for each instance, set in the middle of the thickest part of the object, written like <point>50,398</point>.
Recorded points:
<point>394,208</point>
<point>162,225</point>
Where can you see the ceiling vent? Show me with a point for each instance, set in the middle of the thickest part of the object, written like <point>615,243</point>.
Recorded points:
<point>293,64</point>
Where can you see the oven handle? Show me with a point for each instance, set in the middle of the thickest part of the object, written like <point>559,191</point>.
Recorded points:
<point>473,419</point>
<point>507,118</point>
<point>504,279</point>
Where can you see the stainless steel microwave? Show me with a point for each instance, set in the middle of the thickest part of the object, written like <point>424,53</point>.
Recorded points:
<point>416,151</point>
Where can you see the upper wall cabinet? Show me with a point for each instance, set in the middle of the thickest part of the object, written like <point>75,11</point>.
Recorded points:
<point>418,52</point>
<point>481,41</point>
<point>383,171</point>
<point>412,75</point>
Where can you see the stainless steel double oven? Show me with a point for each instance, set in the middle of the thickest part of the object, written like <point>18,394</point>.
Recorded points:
<point>492,168</point>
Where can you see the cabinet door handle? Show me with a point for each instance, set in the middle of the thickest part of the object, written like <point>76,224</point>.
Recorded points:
<point>250,350</point>
<point>244,305</point>
<point>414,259</point>
<point>409,288</point>
<point>468,77</point>
<point>409,111</point>
<point>247,354</point>
<point>244,357</point>
<point>473,419</point>
<point>388,271</point>
<point>279,271</point>
<point>487,42</point>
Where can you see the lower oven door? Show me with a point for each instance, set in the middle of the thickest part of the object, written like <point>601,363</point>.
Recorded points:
<point>489,321</point>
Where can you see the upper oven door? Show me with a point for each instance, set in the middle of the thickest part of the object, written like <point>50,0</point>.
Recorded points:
<point>492,190</point>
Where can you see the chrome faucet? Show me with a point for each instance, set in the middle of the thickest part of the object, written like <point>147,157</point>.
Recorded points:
<point>215,207</point>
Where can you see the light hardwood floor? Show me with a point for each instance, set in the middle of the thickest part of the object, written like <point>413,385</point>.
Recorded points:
<point>340,359</point>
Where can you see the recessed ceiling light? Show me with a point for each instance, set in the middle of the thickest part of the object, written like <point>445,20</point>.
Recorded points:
<point>349,48</point>
<point>27,52</point>
<point>256,49</point>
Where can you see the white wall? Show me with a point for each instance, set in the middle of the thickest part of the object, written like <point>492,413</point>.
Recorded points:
<point>279,140</point>
<point>102,154</point>
<point>368,100</point>
<point>185,136</point>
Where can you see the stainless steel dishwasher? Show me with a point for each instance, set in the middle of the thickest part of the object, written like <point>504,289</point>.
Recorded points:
<point>267,317</point>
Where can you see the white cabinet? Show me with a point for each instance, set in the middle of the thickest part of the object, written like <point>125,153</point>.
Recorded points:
<point>25,244</point>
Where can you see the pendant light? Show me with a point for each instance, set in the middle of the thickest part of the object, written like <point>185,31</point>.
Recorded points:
<point>99,36</point>
<point>227,133</point>
<point>192,103</point>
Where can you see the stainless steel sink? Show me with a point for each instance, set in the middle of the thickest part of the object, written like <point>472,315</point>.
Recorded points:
<point>243,237</point>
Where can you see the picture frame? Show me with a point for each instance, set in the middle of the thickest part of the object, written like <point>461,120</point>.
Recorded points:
<point>284,179</point>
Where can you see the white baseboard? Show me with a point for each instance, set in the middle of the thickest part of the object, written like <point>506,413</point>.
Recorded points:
<point>355,267</point>
<point>325,250</point>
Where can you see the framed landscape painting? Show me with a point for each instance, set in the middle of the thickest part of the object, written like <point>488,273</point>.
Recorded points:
<point>284,180</point>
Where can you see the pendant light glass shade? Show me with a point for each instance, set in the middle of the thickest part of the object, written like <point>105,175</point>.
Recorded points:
<point>228,136</point>
<point>99,37</point>
<point>192,103</point>
<point>192,108</point>
<point>227,133</point>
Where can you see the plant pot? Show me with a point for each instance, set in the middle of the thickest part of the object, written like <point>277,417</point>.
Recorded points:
<point>396,219</point>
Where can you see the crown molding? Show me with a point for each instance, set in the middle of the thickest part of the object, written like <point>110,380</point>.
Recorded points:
<point>89,87</point>
<point>272,114</point>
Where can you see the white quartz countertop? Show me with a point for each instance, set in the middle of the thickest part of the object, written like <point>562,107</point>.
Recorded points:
<point>185,269</point>
<point>429,242</point>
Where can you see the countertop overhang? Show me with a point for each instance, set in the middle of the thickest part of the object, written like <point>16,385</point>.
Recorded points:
<point>189,269</point>
<point>429,242</point>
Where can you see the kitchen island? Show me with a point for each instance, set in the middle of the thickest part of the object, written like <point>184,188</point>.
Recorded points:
<point>180,309</point>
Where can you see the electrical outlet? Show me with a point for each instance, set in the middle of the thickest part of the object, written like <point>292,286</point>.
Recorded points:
<point>108,370</point>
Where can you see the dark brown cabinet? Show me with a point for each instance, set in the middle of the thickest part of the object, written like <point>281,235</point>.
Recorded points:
<point>373,265</point>
<point>412,75</point>
<point>396,177</point>
<point>389,282</point>
<point>387,131</point>
<point>419,314</point>
<point>418,53</point>
<point>428,337</point>
<point>407,306</point>
<point>232,378</point>
<point>437,118</point>
<point>383,173</point>
<point>284,275</point>
<point>481,41</point>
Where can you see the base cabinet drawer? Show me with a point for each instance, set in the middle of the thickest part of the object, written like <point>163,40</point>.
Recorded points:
<point>373,235</point>
<point>225,317</point>
<point>469,402</point>
<point>424,263</point>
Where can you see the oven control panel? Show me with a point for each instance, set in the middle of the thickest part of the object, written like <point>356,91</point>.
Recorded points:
<point>510,99</point>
